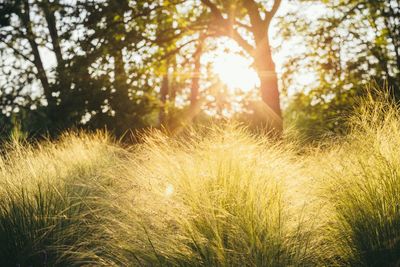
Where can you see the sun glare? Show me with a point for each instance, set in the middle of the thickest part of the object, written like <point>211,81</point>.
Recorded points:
<point>235,71</point>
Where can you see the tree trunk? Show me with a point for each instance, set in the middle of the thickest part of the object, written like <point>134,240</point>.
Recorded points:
<point>269,89</point>
<point>64,82</point>
<point>265,67</point>
<point>163,96</point>
<point>194,91</point>
<point>173,88</point>
<point>52,27</point>
<point>41,73</point>
<point>121,96</point>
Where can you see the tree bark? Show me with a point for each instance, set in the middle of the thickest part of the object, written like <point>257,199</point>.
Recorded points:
<point>266,71</point>
<point>41,73</point>
<point>194,91</point>
<point>52,27</point>
<point>64,81</point>
<point>163,97</point>
<point>121,94</point>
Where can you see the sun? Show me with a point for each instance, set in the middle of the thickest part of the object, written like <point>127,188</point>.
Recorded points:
<point>235,71</point>
<point>232,67</point>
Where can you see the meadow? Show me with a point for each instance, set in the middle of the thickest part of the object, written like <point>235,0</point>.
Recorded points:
<point>211,196</point>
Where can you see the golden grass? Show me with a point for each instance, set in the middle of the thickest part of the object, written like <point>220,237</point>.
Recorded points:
<point>216,196</point>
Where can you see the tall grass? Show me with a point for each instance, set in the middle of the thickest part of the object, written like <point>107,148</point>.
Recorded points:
<point>360,181</point>
<point>45,195</point>
<point>210,198</point>
<point>217,196</point>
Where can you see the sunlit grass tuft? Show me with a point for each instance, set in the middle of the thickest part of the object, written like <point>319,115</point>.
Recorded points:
<point>361,186</point>
<point>213,197</point>
<point>45,194</point>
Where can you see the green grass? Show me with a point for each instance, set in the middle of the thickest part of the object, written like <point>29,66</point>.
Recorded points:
<point>48,195</point>
<point>212,196</point>
<point>361,187</point>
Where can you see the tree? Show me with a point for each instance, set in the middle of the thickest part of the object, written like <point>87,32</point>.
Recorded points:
<point>231,18</point>
<point>28,30</point>
<point>117,44</point>
<point>96,80</point>
<point>195,86</point>
<point>351,45</point>
<point>121,64</point>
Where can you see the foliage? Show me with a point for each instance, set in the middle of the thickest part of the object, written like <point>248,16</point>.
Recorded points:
<point>344,46</point>
<point>85,64</point>
<point>115,65</point>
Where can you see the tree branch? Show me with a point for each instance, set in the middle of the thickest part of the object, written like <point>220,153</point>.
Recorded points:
<point>270,14</point>
<point>227,28</point>
<point>214,9</point>
<point>253,12</point>
<point>242,42</point>
<point>243,25</point>
<point>37,60</point>
<point>16,51</point>
<point>176,50</point>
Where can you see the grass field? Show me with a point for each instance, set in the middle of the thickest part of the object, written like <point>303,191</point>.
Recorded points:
<point>212,196</point>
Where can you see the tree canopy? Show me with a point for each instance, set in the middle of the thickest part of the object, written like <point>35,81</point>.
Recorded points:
<point>123,65</point>
<point>348,46</point>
